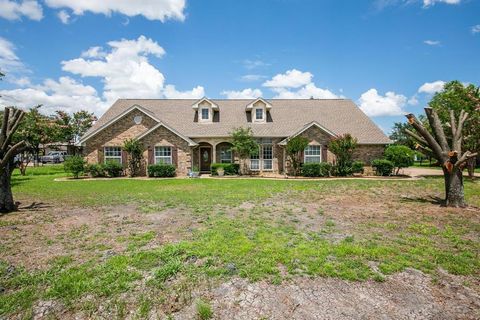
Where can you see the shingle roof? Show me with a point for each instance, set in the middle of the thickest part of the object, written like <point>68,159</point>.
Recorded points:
<point>289,115</point>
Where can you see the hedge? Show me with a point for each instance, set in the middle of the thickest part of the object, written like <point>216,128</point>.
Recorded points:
<point>161,170</point>
<point>109,169</point>
<point>383,167</point>
<point>322,169</point>
<point>230,169</point>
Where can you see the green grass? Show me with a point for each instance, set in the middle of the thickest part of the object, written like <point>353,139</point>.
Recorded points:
<point>257,245</point>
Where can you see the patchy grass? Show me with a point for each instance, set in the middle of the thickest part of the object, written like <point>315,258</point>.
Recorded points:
<point>340,230</point>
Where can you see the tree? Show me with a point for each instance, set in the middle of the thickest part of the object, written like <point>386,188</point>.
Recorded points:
<point>71,127</point>
<point>244,145</point>
<point>457,97</point>
<point>295,148</point>
<point>451,157</point>
<point>135,150</point>
<point>36,129</point>
<point>400,137</point>
<point>75,165</point>
<point>12,118</point>
<point>343,147</point>
<point>400,156</point>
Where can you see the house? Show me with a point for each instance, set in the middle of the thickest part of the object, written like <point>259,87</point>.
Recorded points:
<point>196,133</point>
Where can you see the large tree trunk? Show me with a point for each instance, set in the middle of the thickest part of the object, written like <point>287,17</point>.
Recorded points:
<point>6,197</point>
<point>455,196</point>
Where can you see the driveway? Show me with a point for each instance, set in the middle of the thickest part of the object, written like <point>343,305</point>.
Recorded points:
<point>418,172</point>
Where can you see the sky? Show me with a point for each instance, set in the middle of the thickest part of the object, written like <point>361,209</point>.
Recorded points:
<point>388,56</point>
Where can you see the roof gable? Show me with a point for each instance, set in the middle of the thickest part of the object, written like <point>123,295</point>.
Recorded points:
<point>191,143</point>
<point>305,128</point>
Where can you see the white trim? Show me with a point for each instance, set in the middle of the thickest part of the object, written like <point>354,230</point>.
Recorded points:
<point>115,119</point>
<point>250,105</point>
<point>254,115</point>
<point>191,143</point>
<point>197,103</point>
<point>305,128</point>
<point>162,157</point>
<point>112,157</point>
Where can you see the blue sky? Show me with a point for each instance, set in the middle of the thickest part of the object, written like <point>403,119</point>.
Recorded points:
<point>389,56</point>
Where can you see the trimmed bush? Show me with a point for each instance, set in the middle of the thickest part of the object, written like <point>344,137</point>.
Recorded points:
<point>74,165</point>
<point>113,168</point>
<point>161,170</point>
<point>95,170</point>
<point>322,169</point>
<point>383,167</point>
<point>400,156</point>
<point>230,169</point>
<point>357,167</point>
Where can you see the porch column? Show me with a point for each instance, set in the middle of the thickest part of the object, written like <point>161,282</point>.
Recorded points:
<point>214,152</point>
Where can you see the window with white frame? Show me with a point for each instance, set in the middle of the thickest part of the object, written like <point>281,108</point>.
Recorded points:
<point>259,114</point>
<point>225,155</point>
<point>205,113</point>
<point>112,154</point>
<point>163,155</point>
<point>267,157</point>
<point>313,154</point>
<point>255,161</point>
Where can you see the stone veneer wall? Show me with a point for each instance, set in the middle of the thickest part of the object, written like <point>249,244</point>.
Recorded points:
<point>164,137</point>
<point>115,134</point>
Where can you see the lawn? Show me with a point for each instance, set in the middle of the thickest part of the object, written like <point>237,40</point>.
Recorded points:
<point>152,245</point>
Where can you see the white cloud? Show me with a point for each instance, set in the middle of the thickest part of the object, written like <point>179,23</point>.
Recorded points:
<point>432,42</point>
<point>124,69</point>
<point>431,87</point>
<point>375,105</point>
<point>290,79</point>
<point>171,93</point>
<point>9,61</point>
<point>413,101</point>
<point>244,94</point>
<point>476,28</point>
<point>253,64</point>
<point>64,94</point>
<point>252,77</point>
<point>428,3</point>
<point>152,10</point>
<point>63,16</point>
<point>12,10</point>
<point>284,84</point>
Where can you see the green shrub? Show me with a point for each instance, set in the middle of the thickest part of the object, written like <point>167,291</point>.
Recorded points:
<point>113,168</point>
<point>357,167</point>
<point>161,170</point>
<point>230,169</point>
<point>323,169</point>
<point>400,156</point>
<point>343,147</point>
<point>383,167</point>
<point>74,165</point>
<point>95,170</point>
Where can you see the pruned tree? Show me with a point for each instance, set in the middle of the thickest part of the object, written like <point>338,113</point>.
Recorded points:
<point>451,157</point>
<point>12,118</point>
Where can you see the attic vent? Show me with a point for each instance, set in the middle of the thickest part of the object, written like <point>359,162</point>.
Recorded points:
<point>137,119</point>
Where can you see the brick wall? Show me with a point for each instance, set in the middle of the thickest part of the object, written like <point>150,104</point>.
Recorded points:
<point>368,152</point>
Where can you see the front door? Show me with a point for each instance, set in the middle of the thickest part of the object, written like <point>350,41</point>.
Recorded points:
<point>205,159</point>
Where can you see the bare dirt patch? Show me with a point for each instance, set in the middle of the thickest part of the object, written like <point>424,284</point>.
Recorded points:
<point>407,295</point>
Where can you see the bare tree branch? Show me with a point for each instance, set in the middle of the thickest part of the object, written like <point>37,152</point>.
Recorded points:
<point>11,153</point>
<point>439,154</point>
<point>437,127</point>
<point>464,158</point>
<point>416,137</point>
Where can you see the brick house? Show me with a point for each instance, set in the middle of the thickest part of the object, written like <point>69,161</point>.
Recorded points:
<point>196,133</point>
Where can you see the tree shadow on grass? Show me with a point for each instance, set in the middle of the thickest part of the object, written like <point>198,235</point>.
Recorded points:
<point>429,199</point>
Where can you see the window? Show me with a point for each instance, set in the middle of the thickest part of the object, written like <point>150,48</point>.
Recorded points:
<point>205,114</point>
<point>313,154</point>
<point>113,154</point>
<point>258,114</point>
<point>255,161</point>
<point>267,157</point>
<point>163,155</point>
<point>225,155</point>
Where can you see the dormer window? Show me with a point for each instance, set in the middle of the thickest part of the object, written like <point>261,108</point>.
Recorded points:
<point>205,113</point>
<point>204,110</point>
<point>258,109</point>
